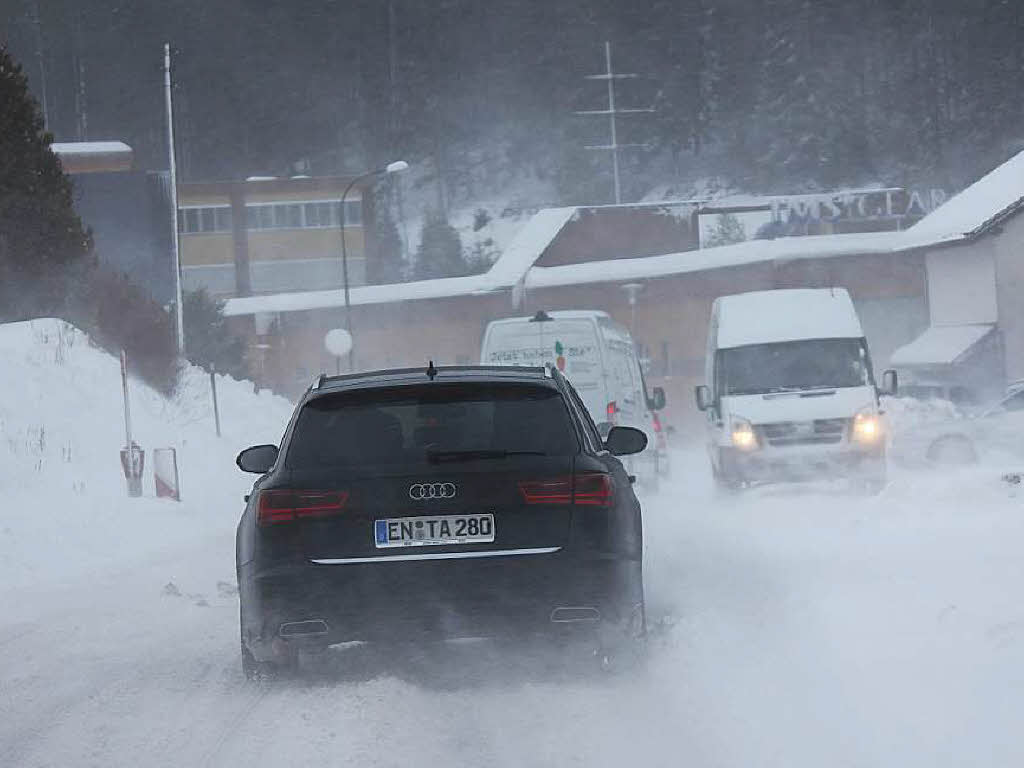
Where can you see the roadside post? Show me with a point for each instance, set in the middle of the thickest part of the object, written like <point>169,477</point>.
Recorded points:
<point>133,458</point>
<point>165,473</point>
<point>216,409</point>
<point>339,343</point>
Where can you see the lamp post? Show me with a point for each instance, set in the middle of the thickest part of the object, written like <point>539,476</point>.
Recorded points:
<point>632,290</point>
<point>396,167</point>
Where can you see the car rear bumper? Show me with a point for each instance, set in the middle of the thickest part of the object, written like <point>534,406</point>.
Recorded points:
<point>512,595</point>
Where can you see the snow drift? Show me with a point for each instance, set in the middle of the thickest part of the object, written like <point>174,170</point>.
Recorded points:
<point>61,428</point>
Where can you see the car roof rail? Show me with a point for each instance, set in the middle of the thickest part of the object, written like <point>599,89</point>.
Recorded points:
<point>320,381</point>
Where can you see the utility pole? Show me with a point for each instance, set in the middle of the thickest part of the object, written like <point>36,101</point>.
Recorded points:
<point>611,113</point>
<point>178,312</point>
<point>41,60</point>
<point>81,103</point>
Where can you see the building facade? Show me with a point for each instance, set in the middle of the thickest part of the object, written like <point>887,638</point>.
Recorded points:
<point>269,235</point>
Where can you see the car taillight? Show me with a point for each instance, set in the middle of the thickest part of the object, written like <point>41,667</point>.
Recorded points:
<point>556,490</point>
<point>283,506</point>
<point>591,489</point>
<point>657,423</point>
<point>594,490</point>
<point>612,410</point>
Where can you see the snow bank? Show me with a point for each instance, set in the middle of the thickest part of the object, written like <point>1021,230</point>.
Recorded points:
<point>65,508</point>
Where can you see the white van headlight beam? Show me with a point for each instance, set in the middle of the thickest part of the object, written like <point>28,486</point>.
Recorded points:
<point>867,426</point>
<point>743,435</point>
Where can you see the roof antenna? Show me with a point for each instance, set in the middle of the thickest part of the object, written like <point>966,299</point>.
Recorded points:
<point>431,371</point>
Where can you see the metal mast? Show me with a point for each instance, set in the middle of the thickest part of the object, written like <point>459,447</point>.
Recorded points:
<point>612,112</point>
<point>178,312</point>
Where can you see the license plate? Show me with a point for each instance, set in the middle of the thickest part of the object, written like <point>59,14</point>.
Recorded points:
<point>433,531</point>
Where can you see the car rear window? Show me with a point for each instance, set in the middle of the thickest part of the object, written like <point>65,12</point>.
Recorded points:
<point>412,424</point>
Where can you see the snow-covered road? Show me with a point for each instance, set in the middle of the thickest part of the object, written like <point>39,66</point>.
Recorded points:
<point>794,627</point>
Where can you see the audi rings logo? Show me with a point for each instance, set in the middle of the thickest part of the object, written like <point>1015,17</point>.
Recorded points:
<point>427,491</point>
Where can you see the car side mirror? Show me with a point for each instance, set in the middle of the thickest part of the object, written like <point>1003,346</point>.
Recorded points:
<point>259,459</point>
<point>657,399</point>
<point>623,441</point>
<point>703,394</point>
<point>890,383</point>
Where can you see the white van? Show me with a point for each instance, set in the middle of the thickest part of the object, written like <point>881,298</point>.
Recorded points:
<point>598,357</point>
<point>790,391</point>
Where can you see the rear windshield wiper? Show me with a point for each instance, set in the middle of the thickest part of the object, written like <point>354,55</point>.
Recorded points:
<point>441,456</point>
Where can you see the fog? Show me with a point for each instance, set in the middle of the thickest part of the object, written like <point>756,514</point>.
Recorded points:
<point>400,175</point>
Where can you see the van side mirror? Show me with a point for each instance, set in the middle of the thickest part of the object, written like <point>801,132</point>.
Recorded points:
<point>259,459</point>
<point>623,441</point>
<point>703,394</point>
<point>657,401</point>
<point>890,383</point>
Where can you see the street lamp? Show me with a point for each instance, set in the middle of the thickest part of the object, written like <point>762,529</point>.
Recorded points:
<point>396,167</point>
<point>632,290</point>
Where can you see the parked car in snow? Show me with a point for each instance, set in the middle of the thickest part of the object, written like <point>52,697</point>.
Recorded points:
<point>939,432</point>
<point>790,393</point>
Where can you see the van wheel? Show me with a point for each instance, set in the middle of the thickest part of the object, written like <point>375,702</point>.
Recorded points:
<point>726,483</point>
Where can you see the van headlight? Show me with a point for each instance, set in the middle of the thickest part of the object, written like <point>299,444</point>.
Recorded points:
<point>742,432</point>
<point>867,425</point>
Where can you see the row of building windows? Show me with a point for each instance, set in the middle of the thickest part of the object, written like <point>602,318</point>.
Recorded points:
<point>313,215</point>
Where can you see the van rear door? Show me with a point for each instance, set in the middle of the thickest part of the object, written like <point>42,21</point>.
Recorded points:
<point>571,345</point>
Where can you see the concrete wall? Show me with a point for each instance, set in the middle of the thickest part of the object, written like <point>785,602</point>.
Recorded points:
<point>962,284</point>
<point>1008,249</point>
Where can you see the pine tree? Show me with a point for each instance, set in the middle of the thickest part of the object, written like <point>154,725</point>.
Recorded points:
<point>209,342</point>
<point>41,236</point>
<point>440,252</point>
<point>727,230</point>
<point>386,264</point>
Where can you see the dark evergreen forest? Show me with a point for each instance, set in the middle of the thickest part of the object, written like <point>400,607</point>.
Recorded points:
<point>767,95</point>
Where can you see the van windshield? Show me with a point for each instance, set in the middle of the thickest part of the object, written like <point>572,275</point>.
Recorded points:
<point>793,366</point>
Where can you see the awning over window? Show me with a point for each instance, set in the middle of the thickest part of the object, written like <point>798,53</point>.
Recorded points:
<point>941,345</point>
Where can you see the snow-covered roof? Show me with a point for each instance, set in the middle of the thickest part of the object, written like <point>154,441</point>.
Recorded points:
<point>560,314</point>
<point>940,345</point>
<point>364,294</point>
<point>738,254</point>
<point>762,317</point>
<point>517,263</point>
<point>528,245</point>
<point>90,147</point>
<point>970,213</point>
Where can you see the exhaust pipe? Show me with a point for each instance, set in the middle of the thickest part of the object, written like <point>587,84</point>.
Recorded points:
<point>572,615</point>
<point>302,629</point>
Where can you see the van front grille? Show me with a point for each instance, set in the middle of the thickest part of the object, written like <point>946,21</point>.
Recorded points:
<point>818,432</point>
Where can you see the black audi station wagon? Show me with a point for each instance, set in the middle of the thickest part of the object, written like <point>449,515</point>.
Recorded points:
<point>437,502</point>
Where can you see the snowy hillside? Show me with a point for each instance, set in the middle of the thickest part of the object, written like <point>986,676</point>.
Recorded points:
<point>61,428</point>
